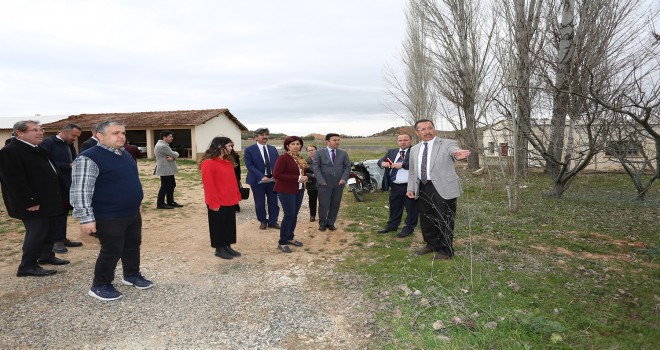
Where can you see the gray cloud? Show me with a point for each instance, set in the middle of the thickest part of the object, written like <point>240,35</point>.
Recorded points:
<point>294,63</point>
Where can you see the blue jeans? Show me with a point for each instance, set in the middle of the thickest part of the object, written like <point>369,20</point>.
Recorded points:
<point>291,205</point>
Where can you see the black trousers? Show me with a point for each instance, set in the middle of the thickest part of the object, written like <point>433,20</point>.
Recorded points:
<point>313,201</point>
<point>120,239</point>
<point>222,226</point>
<point>60,229</point>
<point>437,216</point>
<point>399,201</point>
<point>38,242</point>
<point>167,185</point>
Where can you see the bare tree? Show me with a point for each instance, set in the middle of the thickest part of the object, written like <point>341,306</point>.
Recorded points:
<point>415,91</point>
<point>588,50</point>
<point>627,147</point>
<point>634,96</point>
<point>518,41</point>
<point>460,40</point>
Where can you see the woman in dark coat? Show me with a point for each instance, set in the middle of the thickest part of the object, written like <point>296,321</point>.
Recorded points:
<point>289,173</point>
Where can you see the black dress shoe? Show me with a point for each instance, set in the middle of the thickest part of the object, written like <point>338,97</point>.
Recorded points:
<point>312,219</point>
<point>231,251</point>
<point>69,243</point>
<point>164,206</point>
<point>263,226</point>
<point>425,250</point>
<point>403,234</point>
<point>53,260</point>
<point>59,247</point>
<point>224,254</point>
<point>175,205</point>
<point>277,226</point>
<point>35,271</point>
<point>321,228</point>
<point>442,256</point>
<point>331,227</point>
<point>386,230</point>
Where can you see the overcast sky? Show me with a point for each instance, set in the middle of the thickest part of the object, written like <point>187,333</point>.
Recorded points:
<point>296,66</point>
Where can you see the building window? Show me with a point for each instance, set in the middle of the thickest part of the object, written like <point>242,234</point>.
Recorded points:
<point>491,148</point>
<point>623,149</point>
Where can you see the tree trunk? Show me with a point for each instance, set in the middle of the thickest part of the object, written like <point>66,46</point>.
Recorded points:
<point>472,138</point>
<point>565,54</point>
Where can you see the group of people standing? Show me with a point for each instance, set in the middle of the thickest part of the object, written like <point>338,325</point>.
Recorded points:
<point>43,179</point>
<point>422,179</point>
<point>41,183</point>
<point>274,178</point>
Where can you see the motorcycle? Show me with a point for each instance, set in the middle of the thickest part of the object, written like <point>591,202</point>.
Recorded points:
<point>360,181</point>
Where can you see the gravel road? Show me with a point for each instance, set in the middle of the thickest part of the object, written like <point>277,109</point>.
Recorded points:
<point>263,300</point>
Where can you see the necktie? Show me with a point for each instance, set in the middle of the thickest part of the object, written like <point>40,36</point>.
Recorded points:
<point>425,156</point>
<point>267,162</point>
<point>402,156</point>
<point>333,156</point>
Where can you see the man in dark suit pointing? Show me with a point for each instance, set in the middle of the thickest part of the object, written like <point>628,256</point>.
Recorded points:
<point>397,160</point>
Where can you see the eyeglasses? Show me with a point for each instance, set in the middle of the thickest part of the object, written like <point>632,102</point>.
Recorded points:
<point>35,130</point>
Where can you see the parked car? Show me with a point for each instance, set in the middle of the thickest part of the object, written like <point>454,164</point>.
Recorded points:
<point>143,149</point>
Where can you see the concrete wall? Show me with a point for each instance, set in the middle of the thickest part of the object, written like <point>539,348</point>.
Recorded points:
<point>4,135</point>
<point>220,126</point>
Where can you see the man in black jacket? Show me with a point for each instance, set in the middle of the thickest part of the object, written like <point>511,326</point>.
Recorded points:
<point>32,193</point>
<point>92,141</point>
<point>396,162</point>
<point>62,153</point>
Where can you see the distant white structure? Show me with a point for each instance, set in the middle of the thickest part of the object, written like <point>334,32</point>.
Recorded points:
<point>7,124</point>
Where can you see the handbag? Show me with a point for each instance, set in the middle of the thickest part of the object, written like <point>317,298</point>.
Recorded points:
<point>245,193</point>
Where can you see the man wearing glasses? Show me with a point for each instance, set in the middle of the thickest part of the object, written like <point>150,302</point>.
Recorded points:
<point>31,191</point>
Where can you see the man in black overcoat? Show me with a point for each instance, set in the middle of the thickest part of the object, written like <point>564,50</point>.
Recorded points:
<point>32,193</point>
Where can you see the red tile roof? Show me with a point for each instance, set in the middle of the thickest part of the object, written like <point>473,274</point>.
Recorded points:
<point>165,119</point>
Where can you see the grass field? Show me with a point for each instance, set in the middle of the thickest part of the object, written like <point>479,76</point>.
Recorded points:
<point>578,272</point>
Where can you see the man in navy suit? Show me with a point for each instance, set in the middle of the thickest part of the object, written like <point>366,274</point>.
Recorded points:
<point>62,153</point>
<point>92,141</point>
<point>260,159</point>
<point>396,160</point>
<point>331,169</point>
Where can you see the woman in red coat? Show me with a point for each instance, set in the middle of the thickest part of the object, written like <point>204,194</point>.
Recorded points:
<point>289,173</point>
<point>221,195</point>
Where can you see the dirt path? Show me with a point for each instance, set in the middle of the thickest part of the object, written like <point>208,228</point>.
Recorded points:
<point>176,252</point>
